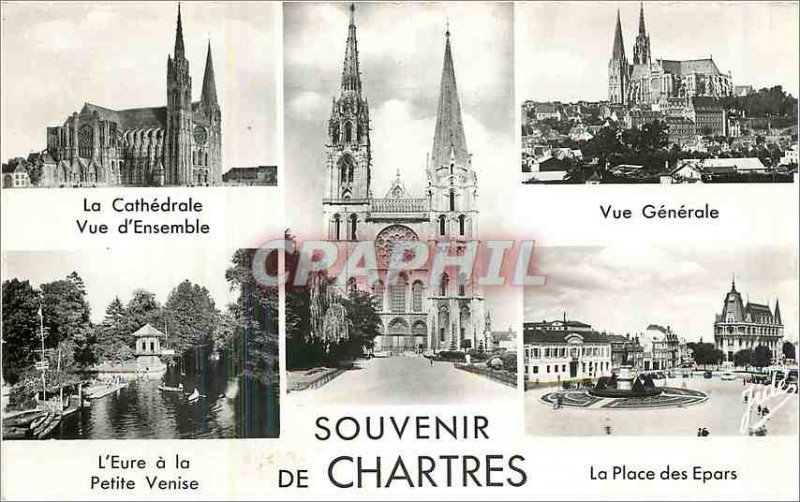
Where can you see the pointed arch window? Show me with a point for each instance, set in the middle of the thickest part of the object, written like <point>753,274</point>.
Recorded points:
<point>348,132</point>
<point>462,285</point>
<point>398,295</point>
<point>462,225</point>
<point>377,291</point>
<point>443,285</point>
<point>353,227</point>
<point>416,296</point>
<point>442,225</point>
<point>452,201</point>
<point>337,226</point>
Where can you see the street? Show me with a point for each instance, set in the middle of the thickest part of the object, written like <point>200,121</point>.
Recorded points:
<point>720,414</point>
<point>405,380</point>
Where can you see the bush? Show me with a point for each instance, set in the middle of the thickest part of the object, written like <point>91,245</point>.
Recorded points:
<point>452,355</point>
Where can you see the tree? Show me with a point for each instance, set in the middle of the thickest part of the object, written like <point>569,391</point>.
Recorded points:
<point>20,327</point>
<point>143,308</point>
<point>255,331</point>
<point>364,324</point>
<point>789,351</point>
<point>67,317</point>
<point>192,317</point>
<point>111,334</point>
<point>743,358</point>
<point>762,356</point>
<point>705,353</point>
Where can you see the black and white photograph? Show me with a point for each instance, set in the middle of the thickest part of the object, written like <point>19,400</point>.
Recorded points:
<point>136,344</point>
<point>399,128</point>
<point>657,92</point>
<point>660,340</point>
<point>114,94</point>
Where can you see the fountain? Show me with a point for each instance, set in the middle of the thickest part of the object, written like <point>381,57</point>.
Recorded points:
<point>627,384</point>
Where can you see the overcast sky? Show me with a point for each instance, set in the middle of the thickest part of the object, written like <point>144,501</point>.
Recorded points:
<point>401,51</point>
<point>624,288</point>
<point>119,272</point>
<point>563,48</point>
<point>56,56</point>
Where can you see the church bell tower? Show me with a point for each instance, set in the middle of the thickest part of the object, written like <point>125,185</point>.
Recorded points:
<point>347,152</point>
<point>178,143</point>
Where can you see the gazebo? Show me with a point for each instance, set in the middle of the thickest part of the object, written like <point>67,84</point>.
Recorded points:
<point>148,348</point>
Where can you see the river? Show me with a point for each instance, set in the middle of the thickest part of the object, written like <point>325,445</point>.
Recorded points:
<point>229,407</point>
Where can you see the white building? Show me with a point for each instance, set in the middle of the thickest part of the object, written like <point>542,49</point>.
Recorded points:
<point>553,356</point>
<point>790,156</point>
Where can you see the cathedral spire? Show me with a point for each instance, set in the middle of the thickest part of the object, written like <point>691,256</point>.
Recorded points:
<point>778,312</point>
<point>209,95</point>
<point>449,135</point>
<point>351,78</point>
<point>618,52</point>
<point>179,49</point>
<point>641,49</point>
<point>642,30</point>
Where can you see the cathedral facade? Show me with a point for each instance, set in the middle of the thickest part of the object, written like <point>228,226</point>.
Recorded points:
<point>648,81</point>
<point>418,314</point>
<point>176,144</point>
<point>743,326</point>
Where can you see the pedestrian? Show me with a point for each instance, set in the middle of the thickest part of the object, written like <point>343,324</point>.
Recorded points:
<point>431,359</point>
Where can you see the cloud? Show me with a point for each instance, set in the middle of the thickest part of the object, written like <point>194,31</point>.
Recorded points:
<point>309,106</point>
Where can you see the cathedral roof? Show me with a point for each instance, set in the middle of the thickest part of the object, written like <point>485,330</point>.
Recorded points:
<point>689,66</point>
<point>618,50</point>
<point>778,312</point>
<point>449,136</point>
<point>133,118</point>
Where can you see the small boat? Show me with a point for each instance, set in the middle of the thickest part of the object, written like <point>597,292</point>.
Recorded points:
<point>166,388</point>
<point>23,418</point>
<point>728,376</point>
<point>194,396</point>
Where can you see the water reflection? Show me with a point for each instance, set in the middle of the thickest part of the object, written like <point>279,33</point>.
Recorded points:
<point>229,407</point>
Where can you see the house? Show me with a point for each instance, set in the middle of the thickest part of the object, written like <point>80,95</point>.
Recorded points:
<point>259,175</point>
<point>543,111</point>
<point>729,166</point>
<point>15,174</point>
<point>504,340</point>
<point>790,156</point>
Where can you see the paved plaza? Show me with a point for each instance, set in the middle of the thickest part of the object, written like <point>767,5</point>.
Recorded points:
<point>720,414</point>
<point>405,379</point>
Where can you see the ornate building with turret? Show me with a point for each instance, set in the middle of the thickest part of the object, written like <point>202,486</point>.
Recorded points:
<point>743,326</point>
<point>648,81</point>
<point>417,314</point>
<point>176,144</point>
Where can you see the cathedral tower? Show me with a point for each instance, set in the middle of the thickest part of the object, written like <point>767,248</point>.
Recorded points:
<point>348,155</point>
<point>452,184</point>
<point>641,49</point>
<point>179,114</point>
<point>618,68</point>
<point>456,311</point>
<point>208,130</point>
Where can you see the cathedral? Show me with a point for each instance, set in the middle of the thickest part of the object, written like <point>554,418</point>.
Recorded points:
<point>743,326</point>
<point>176,144</point>
<point>650,81</point>
<point>417,314</point>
